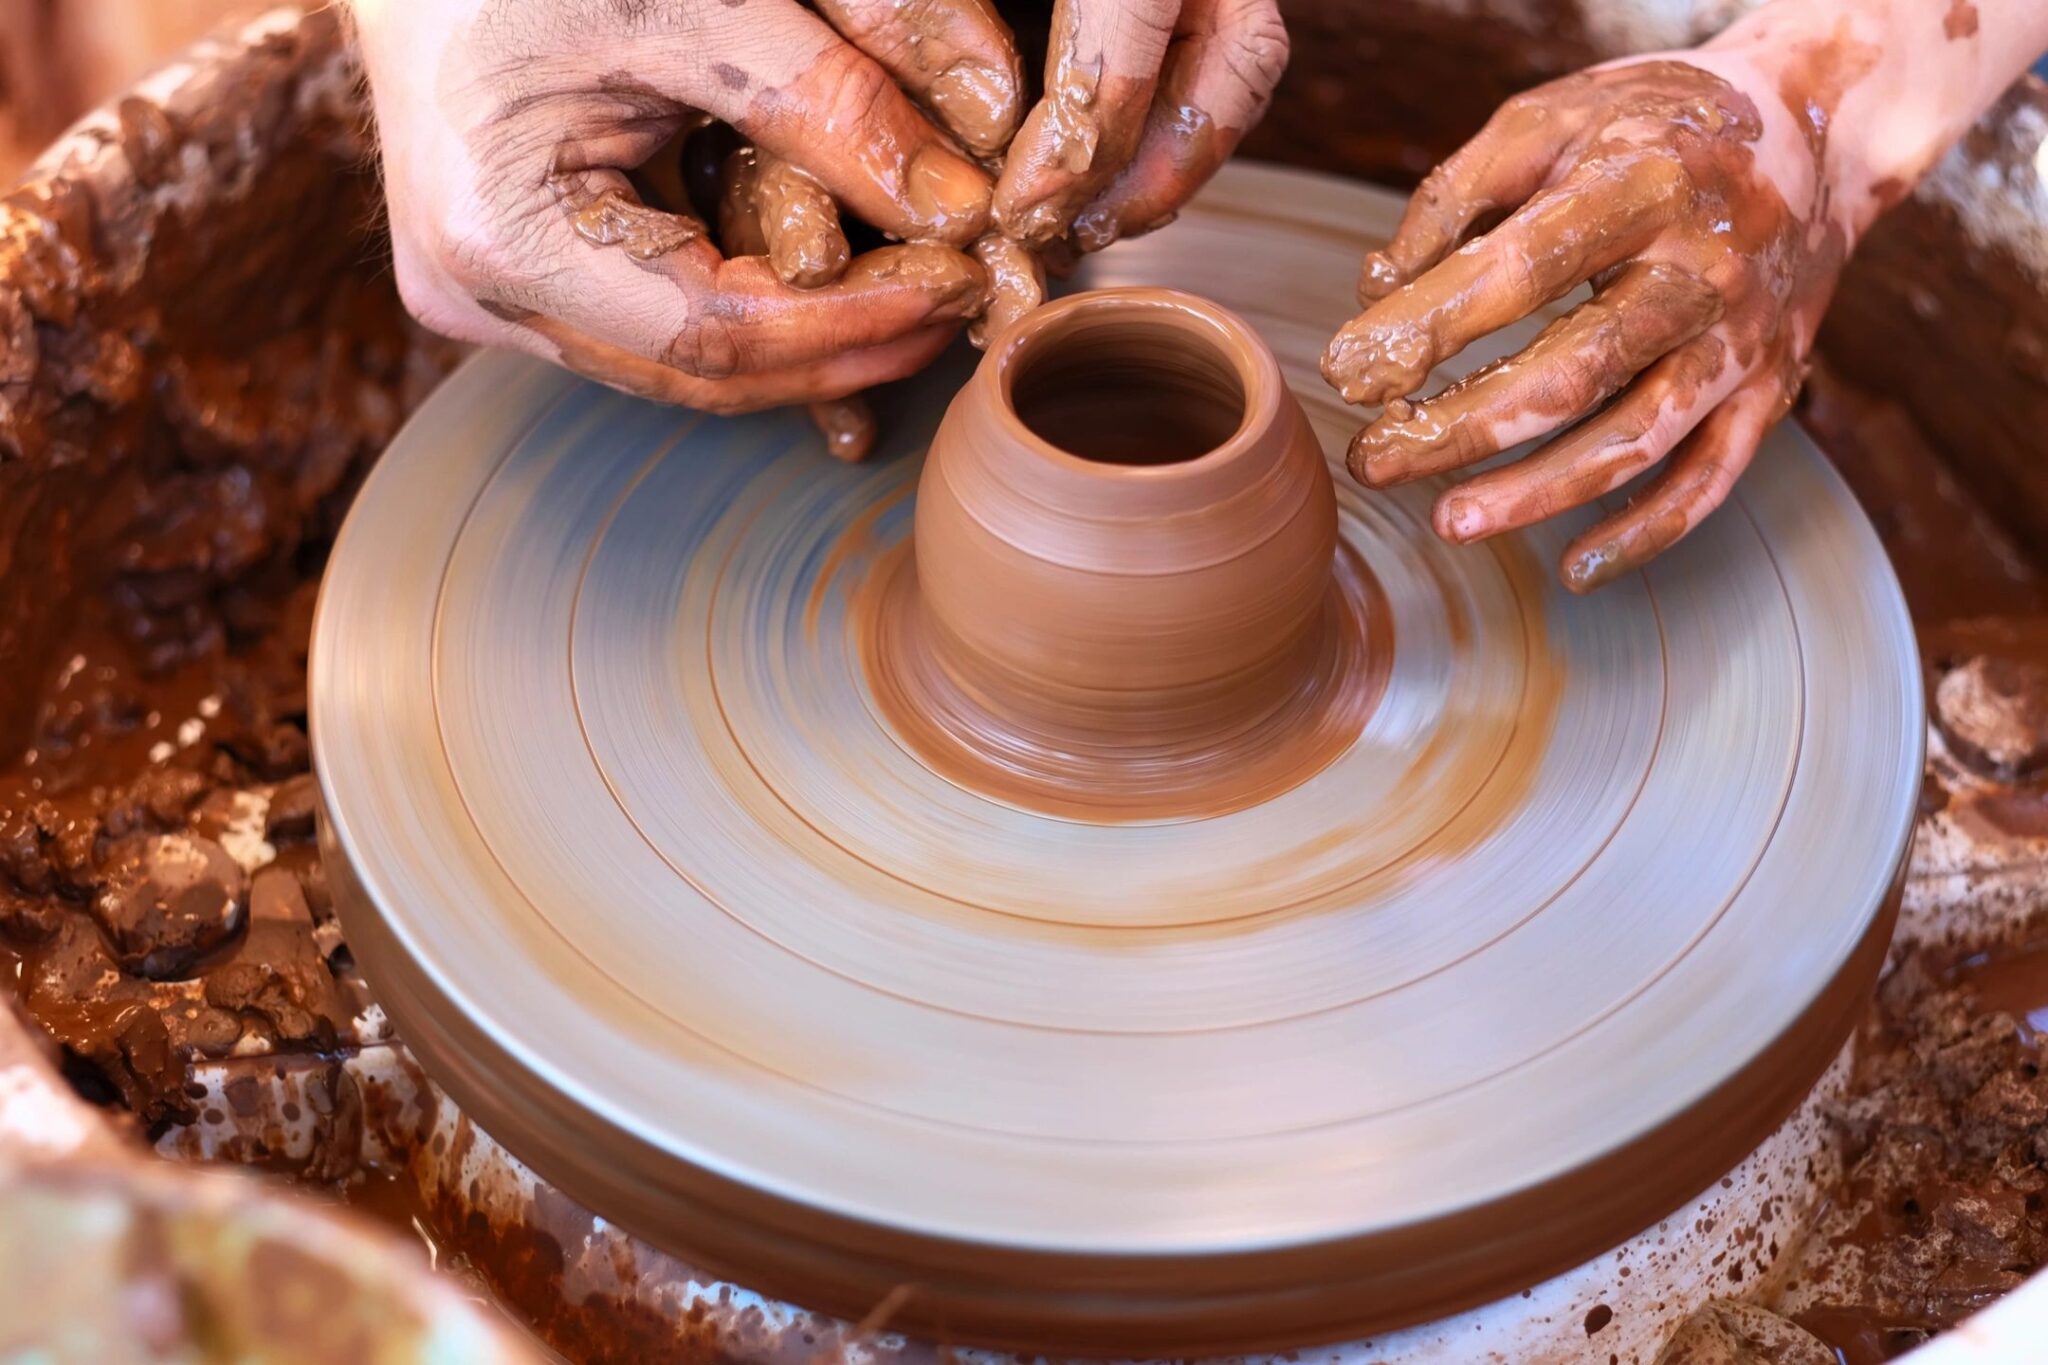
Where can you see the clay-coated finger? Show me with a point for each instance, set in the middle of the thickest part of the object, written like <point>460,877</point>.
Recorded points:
<point>1225,59</point>
<point>794,220</point>
<point>1503,165</point>
<point>1573,365</point>
<point>1603,213</point>
<point>1599,455</point>
<point>1101,69</point>
<point>799,90</point>
<point>1692,483</point>
<point>848,426</point>
<point>955,57</point>
<point>618,278</point>
<point>1016,284</point>
<point>604,213</point>
<point>825,381</point>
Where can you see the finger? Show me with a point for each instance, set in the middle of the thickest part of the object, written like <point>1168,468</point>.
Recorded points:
<point>1573,365</point>
<point>1016,284</point>
<point>1220,70</point>
<point>826,380</point>
<point>1101,69</point>
<point>688,309</point>
<point>955,57</point>
<point>799,90</point>
<point>1694,482</point>
<point>848,425</point>
<point>603,212</point>
<point>1600,455</point>
<point>1503,165</point>
<point>625,277</point>
<point>1604,212</point>
<point>794,220</point>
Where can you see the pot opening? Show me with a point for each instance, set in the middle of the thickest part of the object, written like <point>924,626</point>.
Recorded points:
<point>1133,390</point>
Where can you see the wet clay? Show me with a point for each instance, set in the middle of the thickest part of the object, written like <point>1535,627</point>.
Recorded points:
<point>1725,315</point>
<point>957,58</point>
<point>1016,278</point>
<point>1088,124</point>
<point>1942,1209</point>
<point>140,941</point>
<point>771,208</point>
<point>1127,601</point>
<point>193,393</point>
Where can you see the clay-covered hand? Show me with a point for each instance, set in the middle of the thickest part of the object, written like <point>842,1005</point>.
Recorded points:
<point>508,129</point>
<point>1143,101</point>
<point>1709,197</point>
<point>1701,216</point>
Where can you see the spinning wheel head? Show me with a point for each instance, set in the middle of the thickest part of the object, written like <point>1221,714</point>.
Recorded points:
<point>662,880</point>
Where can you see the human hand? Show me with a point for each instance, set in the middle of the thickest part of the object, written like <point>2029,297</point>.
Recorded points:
<point>508,128</point>
<point>1143,100</point>
<point>1710,198</point>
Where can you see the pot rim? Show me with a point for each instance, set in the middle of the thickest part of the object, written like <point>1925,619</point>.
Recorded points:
<point>1191,316</point>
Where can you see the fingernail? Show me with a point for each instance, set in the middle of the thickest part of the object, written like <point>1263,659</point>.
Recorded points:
<point>1378,278</point>
<point>1095,229</point>
<point>848,425</point>
<point>1345,363</point>
<point>1033,226</point>
<point>1365,470</point>
<point>1590,568</point>
<point>1331,365</point>
<point>978,103</point>
<point>948,194</point>
<point>1461,519</point>
<point>1370,462</point>
<point>967,296</point>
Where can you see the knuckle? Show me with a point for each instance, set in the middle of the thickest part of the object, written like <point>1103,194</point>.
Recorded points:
<point>1519,110</point>
<point>707,346</point>
<point>893,32</point>
<point>851,86</point>
<point>1259,46</point>
<point>1588,371</point>
<point>1517,273</point>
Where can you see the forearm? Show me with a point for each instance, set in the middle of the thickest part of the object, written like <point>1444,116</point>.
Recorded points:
<point>1889,84</point>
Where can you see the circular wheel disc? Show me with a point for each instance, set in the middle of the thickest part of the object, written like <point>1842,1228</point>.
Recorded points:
<point>639,870</point>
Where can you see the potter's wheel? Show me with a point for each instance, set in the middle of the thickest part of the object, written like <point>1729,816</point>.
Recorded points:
<point>662,903</point>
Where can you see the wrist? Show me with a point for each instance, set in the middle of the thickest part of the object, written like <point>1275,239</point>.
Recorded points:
<point>1881,88</point>
<point>1832,67</point>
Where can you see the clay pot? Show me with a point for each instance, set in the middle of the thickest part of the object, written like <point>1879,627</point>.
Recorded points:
<point>1125,528</point>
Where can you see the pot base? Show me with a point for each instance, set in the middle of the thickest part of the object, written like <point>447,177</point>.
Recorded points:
<point>1106,775</point>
